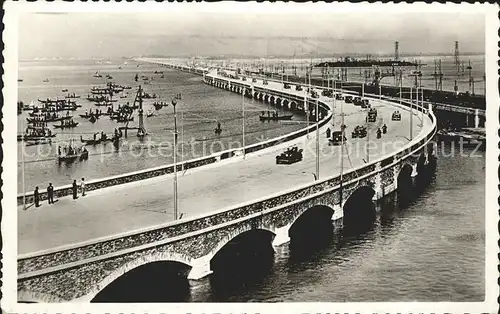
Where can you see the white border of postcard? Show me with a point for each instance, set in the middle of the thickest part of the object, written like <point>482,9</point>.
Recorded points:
<point>9,222</point>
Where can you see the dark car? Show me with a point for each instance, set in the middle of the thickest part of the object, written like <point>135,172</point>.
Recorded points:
<point>348,99</point>
<point>336,138</point>
<point>290,156</point>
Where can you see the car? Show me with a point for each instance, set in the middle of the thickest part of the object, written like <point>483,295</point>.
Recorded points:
<point>298,87</point>
<point>396,116</point>
<point>327,93</point>
<point>290,156</point>
<point>287,86</point>
<point>359,132</point>
<point>365,103</point>
<point>254,80</point>
<point>339,96</point>
<point>348,99</point>
<point>336,138</point>
<point>357,101</point>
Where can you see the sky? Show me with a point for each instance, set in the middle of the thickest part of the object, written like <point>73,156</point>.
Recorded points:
<point>103,35</point>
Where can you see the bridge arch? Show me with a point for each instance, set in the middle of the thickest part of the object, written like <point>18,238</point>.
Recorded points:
<point>359,209</point>
<point>324,208</point>
<point>234,234</point>
<point>133,264</point>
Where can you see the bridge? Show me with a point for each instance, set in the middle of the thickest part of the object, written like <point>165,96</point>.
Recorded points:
<point>72,250</point>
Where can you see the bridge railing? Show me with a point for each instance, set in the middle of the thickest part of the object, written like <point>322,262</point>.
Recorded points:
<point>172,231</point>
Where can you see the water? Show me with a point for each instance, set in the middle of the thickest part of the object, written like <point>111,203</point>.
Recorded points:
<point>197,112</point>
<point>430,250</point>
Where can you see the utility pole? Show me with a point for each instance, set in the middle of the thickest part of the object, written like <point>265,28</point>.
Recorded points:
<point>174,103</point>
<point>243,116</point>
<point>317,139</point>
<point>22,162</point>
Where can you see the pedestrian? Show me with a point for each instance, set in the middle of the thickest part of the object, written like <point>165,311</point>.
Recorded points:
<point>50,193</point>
<point>37,197</point>
<point>75,190</point>
<point>82,186</point>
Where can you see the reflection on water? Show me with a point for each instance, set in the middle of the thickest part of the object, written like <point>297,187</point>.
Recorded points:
<point>430,248</point>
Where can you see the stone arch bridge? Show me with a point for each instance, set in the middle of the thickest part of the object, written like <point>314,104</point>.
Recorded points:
<point>79,272</point>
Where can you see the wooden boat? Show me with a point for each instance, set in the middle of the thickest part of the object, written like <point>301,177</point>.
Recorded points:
<point>31,137</point>
<point>40,141</point>
<point>124,119</point>
<point>47,119</point>
<point>275,118</point>
<point>64,90</point>
<point>79,154</point>
<point>66,125</point>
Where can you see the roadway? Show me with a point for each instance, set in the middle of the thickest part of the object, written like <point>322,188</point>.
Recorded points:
<point>202,190</point>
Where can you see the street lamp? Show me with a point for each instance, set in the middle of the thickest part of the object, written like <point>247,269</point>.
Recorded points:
<point>243,116</point>
<point>174,103</point>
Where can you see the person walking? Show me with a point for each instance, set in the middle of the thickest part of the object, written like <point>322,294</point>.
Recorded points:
<point>37,197</point>
<point>75,190</point>
<point>50,193</point>
<point>82,186</point>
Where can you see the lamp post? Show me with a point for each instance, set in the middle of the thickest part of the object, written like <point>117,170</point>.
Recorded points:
<point>317,139</point>
<point>174,103</point>
<point>243,116</point>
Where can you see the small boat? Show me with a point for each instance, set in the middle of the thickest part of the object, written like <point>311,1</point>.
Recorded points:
<point>47,119</point>
<point>66,124</point>
<point>32,137</point>
<point>71,154</point>
<point>40,141</point>
<point>46,80</point>
<point>69,96</point>
<point>20,80</point>
<point>64,90</point>
<point>124,119</point>
<point>97,74</point>
<point>95,140</point>
<point>275,118</point>
<point>159,104</point>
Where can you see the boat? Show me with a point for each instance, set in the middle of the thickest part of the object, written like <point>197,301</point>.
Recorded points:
<point>150,113</point>
<point>95,140</point>
<point>20,80</point>
<point>69,96</point>
<point>64,90</point>
<point>35,133</point>
<point>159,104</point>
<point>47,118</point>
<point>40,141</point>
<point>275,118</point>
<point>46,80</point>
<point>124,119</point>
<point>66,124</point>
<point>70,153</point>
<point>97,74</point>
<point>92,119</point>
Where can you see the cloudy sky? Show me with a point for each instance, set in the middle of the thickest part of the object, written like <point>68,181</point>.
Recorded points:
<point>85,35</point>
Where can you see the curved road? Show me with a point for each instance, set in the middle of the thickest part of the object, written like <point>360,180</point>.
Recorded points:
<point>150,202</point>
